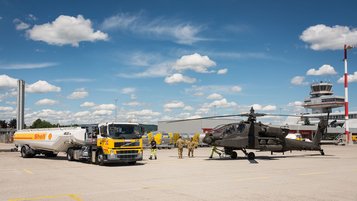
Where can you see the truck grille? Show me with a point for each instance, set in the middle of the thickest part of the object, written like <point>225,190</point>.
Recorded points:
<point>126,144</point>
<point>127,154</point>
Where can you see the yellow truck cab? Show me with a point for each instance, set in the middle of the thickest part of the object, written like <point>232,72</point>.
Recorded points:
<point>119,142</point>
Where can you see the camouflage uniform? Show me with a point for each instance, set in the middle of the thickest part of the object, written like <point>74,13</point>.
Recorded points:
<point>180,143</point>
<point>191,145</point>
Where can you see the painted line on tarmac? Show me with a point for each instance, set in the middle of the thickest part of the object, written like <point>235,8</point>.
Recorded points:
<point>73,197</point>
<point>313,173</point>
<point>28,171</point>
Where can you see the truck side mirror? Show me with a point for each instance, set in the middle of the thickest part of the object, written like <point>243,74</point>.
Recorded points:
<point>96,131</point>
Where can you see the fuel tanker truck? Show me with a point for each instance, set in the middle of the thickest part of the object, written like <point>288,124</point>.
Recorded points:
<point>100,144</point>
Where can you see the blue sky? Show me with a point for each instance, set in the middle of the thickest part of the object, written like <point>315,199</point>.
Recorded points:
<point>160,60</point>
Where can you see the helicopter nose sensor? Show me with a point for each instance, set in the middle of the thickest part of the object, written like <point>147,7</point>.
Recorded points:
<point>208,139</point>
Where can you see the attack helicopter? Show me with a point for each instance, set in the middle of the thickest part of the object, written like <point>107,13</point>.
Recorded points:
<point>250,134</point>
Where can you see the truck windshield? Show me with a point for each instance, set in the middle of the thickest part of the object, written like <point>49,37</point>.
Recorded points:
<point>124,131</point>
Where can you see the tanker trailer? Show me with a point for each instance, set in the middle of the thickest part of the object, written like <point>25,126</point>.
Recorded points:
<point>49,141</point>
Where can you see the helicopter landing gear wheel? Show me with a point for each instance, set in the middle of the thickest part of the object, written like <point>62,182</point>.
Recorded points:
<point>234,155</point>
<point>322,152</point>
<point>251,156</point>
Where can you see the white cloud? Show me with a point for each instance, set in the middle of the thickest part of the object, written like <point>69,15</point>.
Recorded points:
<point>154,70</point>
<point>128,90</point>
<point>182,33</point>
<point>350,78</point>
<point>6,108</point>
<point>199,94</point>
<point>102,112</point>
<point>87,104</point>
<point>52,116</point>
<point>173,105</point>
<point>323,70</point>
<point>203,110</point>
<point>177,78</point>
<point>42,87</point>
<point>105,107</point>
<point>220,103</point>
<point>7,81</point>
<point>20,25</point>
<point>296,104</point>
<point>20,66</point>
<point>10,102</point>
<point>188,108</point>
<point>120,21</point>
<point>46,101</point>
<point>215,96</point>
<point>82,114</point>
<point>236,89</point>
<point>194,62</point>
<point>322,37</point>
<point>78,94</point>
<point>298,80</point>
<point>145,112</point>
<point>32,17</point>
<point>209,89</point>
<point>66,30</point>
<point>269,108</point>
<point>8,94</point>
<point>264,108</point>
<point>132,104</point>
<point>222,71</point>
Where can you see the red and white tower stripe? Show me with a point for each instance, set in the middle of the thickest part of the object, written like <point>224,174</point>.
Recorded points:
<point>347,129</point>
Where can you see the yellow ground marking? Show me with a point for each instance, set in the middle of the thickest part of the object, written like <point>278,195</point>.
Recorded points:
<point>71,196</point>
<point>28,171</point>
<point>312,173</point>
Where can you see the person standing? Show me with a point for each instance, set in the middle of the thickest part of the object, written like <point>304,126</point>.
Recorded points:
<point>153,149</point>
<point>191,145</point>
<point>215,150</point>
<point>180,143</point>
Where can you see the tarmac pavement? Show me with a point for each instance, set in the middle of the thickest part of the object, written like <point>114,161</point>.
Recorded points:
<point>7,147</point>
<point>293,176</point>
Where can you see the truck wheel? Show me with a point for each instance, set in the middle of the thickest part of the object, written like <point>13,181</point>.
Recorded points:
<point>27,152</point>
<point>70,155</point>
<point>23,152</point>
<point>234,155</point>
<point>251,156</point>
<point>100,158</point>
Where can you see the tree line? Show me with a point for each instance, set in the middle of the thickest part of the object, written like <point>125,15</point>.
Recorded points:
<point>39,123</point>
<point>10,124</point>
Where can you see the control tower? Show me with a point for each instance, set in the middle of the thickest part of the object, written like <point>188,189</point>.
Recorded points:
<point>321,98</point>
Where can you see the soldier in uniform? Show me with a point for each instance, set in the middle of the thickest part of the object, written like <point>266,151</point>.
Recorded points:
<point>153,149</point>
<point>180,144</point>
<point>191,145</point>
<point>215,150</point>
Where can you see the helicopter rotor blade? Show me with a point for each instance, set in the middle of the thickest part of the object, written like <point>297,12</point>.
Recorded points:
<point>233,115</point>
<point>211,117</point>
